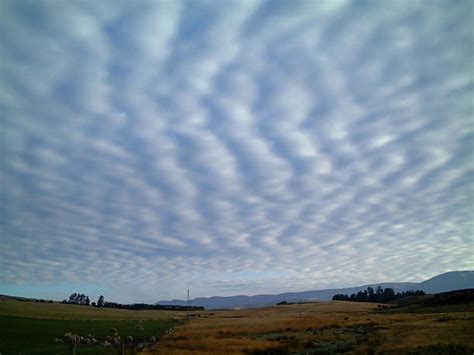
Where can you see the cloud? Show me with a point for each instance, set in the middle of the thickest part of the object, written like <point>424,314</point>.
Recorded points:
<point>233,148</point>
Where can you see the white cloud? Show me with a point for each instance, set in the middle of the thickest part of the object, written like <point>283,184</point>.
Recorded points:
<point>232,148</point>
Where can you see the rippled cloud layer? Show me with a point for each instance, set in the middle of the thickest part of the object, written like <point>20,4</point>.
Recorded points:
<point>233,147</point>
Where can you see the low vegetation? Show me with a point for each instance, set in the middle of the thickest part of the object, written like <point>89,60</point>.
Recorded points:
<point>58,336</point>
<point>55,328</point>
<point>423,325</point>
<point>323,328</point>
<point>446,302</point>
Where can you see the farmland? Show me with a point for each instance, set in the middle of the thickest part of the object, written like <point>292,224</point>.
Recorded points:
<point>31,327</point>
<point>325,327</point>
<point>312,328</point>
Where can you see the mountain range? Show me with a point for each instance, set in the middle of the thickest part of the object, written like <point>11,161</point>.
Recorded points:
<point>449,281</point>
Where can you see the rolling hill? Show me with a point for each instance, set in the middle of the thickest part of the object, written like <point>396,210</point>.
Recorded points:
<point>449,281</point>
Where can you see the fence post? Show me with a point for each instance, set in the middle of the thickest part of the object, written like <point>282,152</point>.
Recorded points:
<point>72,348</point>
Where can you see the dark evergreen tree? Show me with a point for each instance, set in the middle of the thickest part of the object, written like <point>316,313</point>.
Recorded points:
<point>371,295</point>
<point>388,295</point>
<point>379,296</point>
<point>340,297</point>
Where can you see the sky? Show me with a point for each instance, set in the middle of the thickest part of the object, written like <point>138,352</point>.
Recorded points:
<point>233,147</point>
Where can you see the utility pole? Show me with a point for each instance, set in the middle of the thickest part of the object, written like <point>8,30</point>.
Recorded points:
<point>187,302</point>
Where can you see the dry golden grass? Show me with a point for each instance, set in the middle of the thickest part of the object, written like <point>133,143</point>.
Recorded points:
<point>317,328</point>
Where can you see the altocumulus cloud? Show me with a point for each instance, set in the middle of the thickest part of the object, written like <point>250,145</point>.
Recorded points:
<point>233,147</point>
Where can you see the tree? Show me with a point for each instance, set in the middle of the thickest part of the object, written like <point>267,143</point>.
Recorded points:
<point>379,296</point>
<point>340,297</point>
<point>388,295</point>
<point>361,297</point>
<point>100,301</point>
<point>78,298</point>
<point>371,295</point>
<point>73,298</point>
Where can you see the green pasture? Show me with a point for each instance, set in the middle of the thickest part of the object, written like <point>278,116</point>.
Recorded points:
<point>36,335</point>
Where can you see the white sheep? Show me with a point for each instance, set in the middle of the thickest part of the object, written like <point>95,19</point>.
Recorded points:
<point>75,339</point>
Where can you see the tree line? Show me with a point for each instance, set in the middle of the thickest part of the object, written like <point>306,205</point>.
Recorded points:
<point>83,300</point>
<point>377,296</point>
<point>78,298</point>
<point>144,306</point>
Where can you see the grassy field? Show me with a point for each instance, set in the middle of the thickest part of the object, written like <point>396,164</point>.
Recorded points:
<point>69,311</point>
<point>31,328</point>
<point>323,328</point>
<point>314,328</point>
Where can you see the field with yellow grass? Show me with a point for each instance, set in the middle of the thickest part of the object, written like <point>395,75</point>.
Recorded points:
<point>322,328</point>
<point>311,328</point>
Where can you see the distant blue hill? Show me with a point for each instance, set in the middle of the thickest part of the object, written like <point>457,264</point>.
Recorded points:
<point>455,280</point>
